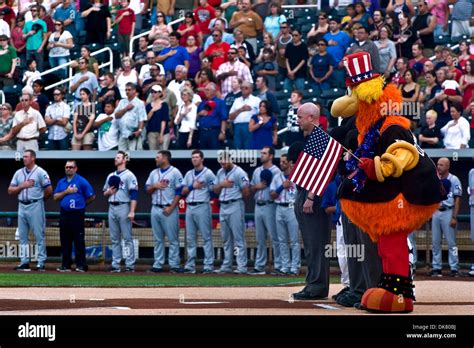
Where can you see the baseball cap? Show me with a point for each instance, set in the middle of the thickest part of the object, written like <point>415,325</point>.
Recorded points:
<point>157,88</point>
<point>334,19</point>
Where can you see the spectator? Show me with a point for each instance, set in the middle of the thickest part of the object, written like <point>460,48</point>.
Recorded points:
<point>456,133</point>
<point>109,92</point>
<point>6,124</point>
<point>439,9</point>
<point>219,15</point>
<point>152,81</point>
<point>191,84</point>
<point>398,78</point>
<point>39,96</point>
<point>92,64</point>
<point>66,14</point>
<point>451,65</point>
<point>195,56</point>
<point>233,94</point>
<point>321,68</point>
<point>145,69</point>
<point>388,53</point>
<point>418,61</point>
<point>31,73</point>
<point>158,131</point>
<point>248,21</point>
<point>461,15</point>
<point>263,127</point>
<point>361,16</point>
<point>274,19</point>
<point>296,55</point>
<point>467,84</point>
<point>268,68</point>
<point>160,33</point>
<point>239,41</point>
<point>294,133</point>
<point>186,120</point>
<point>139,56</point>
<point>226,37</point>
<point>318,31</point>
<point>410,93</point>
<point>268,42</point>
<point>59,44</point>
<point>430,135</point>
<point>232,70</point>
<point>57,119</point>
<point>450,87</point>
<point>177,84</point>
<point>263,93</point>
<point>261,7</point>
<point>346,22</point>
<point>401,6</point>
<point>218,50</point>
<point>126,26</point>
<point>338,42</point>
<point>404,36</point>
<point>439,59</point>
<point>189,28</point>
<point>17,39</point>
<point>240,114</point>
<point>44,15</point>
<point>108,129</point>
<point>132,115</point>
<point>174,55</point>
<point>464,55</point>
<point>424,25</point>
<point>28,125</point>
<point>83,79</point>
<point>99,22</point>
<point>437,98</point>
<point>127,75</point>
<point>378,24</point>
<point>229,7</point>
<point>281,42</point>
<point>4,26</point>
<point>425,92</point>
<point>165,8</point>
<point>212,118</point>
<point>365,44</point>
<point>36,38</point>
<point>170,98</point>
<point>9,14</point>
<point>84,115</point>
<point>203,15</point>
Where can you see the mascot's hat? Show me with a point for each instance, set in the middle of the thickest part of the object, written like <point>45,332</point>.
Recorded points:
<point>359,68</point>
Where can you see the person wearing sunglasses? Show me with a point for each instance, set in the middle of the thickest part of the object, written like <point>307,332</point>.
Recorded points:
<point>84,79</point>
<point>57,118</point>
<point>66,14</point>
<point>59,44</point>
<point>296,55</point>
<point>36,38</point>
<point>321,68</point>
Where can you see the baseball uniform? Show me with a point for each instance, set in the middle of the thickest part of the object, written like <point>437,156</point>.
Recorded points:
<point>265,211</point>
<point>232,218</point>
<point>31,214</point>
<point>286,224</point>
<point>440,224</point>
<point>199,217</point>
<point>119,223</point>
<point>470,191</point>
<point>160,223</point>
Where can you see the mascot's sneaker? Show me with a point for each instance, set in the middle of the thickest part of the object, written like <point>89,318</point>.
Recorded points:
<point>394,294</point>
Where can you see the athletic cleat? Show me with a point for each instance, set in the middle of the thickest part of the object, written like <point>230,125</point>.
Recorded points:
<point>81,269</point>
<point>113,269</point>
<point>471,273</point>
<point>241,272</point>
<point>294,273</point>
<point>207,271</point>
<point>189,271</point>
<point>278,272</point>
<point>454,273</point>
<point>435,273</point>
<point>223,271</point>
<point>63,269</point>
<point>176,270</point>
<point>24,267</point>
<point>155,270</point>
<point>256,271</point>
<point>129,269</point>
<point>40,268</point>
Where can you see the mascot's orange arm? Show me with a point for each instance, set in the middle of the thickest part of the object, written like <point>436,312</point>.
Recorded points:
<point>400,156</point>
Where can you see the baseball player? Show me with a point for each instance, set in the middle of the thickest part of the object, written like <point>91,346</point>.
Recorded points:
<point>470,192</point>
<point>164,184</point>
<point>33,187</point>
<point>265,210</point>
<point>121,189</point>
<point>198,184</point>
<point>283,192</point>
<point>232,187</point>
<point>445,221</point>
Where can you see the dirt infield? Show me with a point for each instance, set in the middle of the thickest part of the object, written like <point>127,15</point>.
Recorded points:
<point>434,297</point>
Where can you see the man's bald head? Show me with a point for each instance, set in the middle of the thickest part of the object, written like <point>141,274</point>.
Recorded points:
<point>443,166</point>
<point>308,114</point>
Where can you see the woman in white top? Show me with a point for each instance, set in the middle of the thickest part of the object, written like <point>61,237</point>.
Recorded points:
<point>456,132</point>
<point>189,83</point>
<point>59,44</point>
<point>126,75</point>
<point>186,119</point>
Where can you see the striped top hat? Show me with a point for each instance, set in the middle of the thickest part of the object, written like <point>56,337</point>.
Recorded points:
<point>359,68</point>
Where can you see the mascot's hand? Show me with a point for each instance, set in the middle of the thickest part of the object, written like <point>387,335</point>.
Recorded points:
<point>368,166</point>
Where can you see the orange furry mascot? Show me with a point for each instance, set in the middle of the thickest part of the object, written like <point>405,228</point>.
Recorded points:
<point>393,189</point>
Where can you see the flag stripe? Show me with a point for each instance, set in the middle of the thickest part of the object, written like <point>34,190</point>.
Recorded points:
<point>330,173</point>
<point>322,166</point>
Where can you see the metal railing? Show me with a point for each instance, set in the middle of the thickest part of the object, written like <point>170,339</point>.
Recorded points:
<point>146,33</point>
<point>2,97</point>
<point>109,64</point>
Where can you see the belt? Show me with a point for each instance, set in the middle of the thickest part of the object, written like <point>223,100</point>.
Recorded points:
<point>196,203</point>
<point>23,139</point>
<point>29,202</point>
<point>161,205</point>
<point>444,208</point>
<point>118,203</point>
<point>230,201</point>
<point>285,204</point>
<point>263,203</point>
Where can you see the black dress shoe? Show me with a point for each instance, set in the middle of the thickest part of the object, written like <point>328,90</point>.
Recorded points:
<point>343,291</point>
<point>306,295</point>
<point>349,299</point>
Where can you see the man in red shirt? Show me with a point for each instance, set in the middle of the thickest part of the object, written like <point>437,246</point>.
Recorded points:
<point>203,15</point>
<point>126,26</point>
<point>218,50</point>
<point>418,60</point>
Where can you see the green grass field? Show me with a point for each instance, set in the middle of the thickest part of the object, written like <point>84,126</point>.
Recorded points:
<point>146,280</point>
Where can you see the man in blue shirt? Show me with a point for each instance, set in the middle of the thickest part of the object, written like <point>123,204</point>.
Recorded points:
<point>338,42</point>
<point>66,13</point>
<point>174,55</point>
<point>212,118</point>
<point>74,193</point>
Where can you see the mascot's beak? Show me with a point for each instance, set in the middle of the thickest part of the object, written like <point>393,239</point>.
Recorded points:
<point>345,106</point>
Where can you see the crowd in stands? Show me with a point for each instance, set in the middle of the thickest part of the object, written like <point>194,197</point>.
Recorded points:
<point>230,73</point>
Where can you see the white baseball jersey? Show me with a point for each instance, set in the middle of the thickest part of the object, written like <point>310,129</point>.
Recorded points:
<point>128,182</point>
<point>287,195</point>
<point>40,178</point>
<point>174,180</point>
<point>207,177</point>
<point>263,195</point>
<point>240,179</point>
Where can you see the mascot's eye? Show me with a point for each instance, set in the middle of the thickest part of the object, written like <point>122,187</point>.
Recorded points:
<point>349,91</point>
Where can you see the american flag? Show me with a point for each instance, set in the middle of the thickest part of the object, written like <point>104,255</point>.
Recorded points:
<point>318,161</point>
